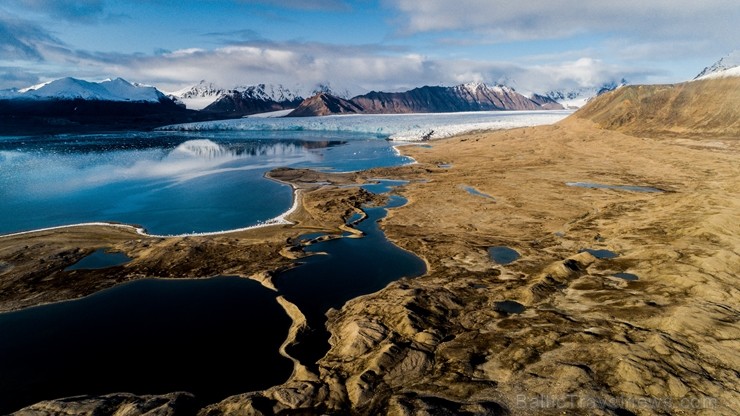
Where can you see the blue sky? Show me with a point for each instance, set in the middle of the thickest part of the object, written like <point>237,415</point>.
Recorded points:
<point>363,45</point>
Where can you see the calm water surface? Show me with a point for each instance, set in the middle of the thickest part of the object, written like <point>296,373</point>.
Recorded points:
<point>213,337</point>
<point>352,267</point>
<point>170,183</point>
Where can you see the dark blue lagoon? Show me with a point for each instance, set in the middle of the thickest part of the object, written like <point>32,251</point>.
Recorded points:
<point>212,337</point>
<point>351,267</point>
<point>168,182</point>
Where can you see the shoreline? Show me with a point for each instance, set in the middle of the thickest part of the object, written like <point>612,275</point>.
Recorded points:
<point>278,220</point>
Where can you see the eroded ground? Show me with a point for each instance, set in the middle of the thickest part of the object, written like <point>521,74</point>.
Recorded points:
<point>586,343</point>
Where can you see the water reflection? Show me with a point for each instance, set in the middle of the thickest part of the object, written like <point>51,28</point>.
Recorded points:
<point>168,183</point>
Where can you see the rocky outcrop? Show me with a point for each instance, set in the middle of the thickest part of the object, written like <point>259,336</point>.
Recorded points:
<point>253,100</point>
<point>323,104</point>
<point>545,102</point>
<point>120,404</point>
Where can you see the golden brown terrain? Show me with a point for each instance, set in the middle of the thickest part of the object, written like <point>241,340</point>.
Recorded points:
<point>586,343</point>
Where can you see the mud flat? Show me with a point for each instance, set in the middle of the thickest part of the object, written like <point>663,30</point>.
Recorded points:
<point>584,342</point>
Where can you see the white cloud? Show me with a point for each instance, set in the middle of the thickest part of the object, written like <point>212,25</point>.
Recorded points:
<point>294,64</point>
<point>547,19</point>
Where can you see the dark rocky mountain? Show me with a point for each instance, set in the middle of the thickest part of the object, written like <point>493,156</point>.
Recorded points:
<point>545,102</point>
<point>465,97</point>
<point>70,104</point>
<point>323,104</point>
<point>72,115</point>
<point>254,99</point>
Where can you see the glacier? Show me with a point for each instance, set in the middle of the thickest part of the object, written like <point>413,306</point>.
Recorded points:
<point>396,127</point>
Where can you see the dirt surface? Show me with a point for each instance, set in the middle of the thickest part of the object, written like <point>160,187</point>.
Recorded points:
<point>586,342</point>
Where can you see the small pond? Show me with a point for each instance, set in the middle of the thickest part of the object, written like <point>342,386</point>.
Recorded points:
<point>473,191</point>
<point>503,255</point>
<point>508,307</point>
<point>601,253</point>
<point>626,276</point>
<point>100,259</point>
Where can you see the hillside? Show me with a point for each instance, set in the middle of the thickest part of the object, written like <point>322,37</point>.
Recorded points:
<point>464,97</point>
<point>323,104</point>
<point>710,106</point>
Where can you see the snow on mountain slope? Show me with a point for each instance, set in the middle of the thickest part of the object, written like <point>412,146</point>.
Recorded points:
<point>269,92</point>
<point>71,88</point>
<point>205,93</point>
<point>198,96</point>
<point>727,66</point>
<point>578,97</point>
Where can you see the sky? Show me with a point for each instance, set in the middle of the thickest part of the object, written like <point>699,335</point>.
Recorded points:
<point>364,45</point>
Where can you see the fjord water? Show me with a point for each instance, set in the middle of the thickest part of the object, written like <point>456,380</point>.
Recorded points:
<point>169,183</point>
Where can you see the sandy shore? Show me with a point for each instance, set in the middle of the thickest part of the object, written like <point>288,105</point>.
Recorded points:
<point>587,342</point>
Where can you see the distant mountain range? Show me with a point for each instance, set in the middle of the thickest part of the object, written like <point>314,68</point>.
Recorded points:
<point>246,100</point>
<point>69,103</point>
<point>118,90</point>
<point>464,97</point>
<point>578,97</point>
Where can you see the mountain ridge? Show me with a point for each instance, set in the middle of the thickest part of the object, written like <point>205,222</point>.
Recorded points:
<point>430,99</point>
<point>728,63</point>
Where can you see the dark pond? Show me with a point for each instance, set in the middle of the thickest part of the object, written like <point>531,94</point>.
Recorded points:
<point>353,267</point>
<point>509,307</point>
<point>100,259</point>
<point>601,253</point>
<point>626,276</point>
<point>213,337</point>
<point>502,255</point>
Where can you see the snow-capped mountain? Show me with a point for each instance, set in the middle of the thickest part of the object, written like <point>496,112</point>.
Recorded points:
<point>204,94</point>
<point>71,89</point>
<point>428,99</point>
<point>260,98</point>
<point>326,88</point>
<point>578,97</point>
<point>727,66</point>
<point>198,96</point>
<point>70,104</point>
